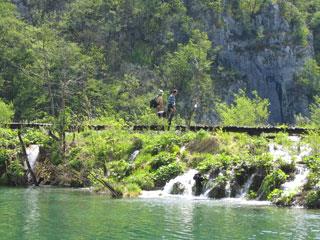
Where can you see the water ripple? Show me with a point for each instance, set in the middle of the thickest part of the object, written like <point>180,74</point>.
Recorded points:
<point>63,214</point>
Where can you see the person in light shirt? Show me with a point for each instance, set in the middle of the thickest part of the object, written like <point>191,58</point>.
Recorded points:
<point>160,104</point>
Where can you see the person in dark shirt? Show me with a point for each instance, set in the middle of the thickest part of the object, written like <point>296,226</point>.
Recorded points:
<point>172,106</point>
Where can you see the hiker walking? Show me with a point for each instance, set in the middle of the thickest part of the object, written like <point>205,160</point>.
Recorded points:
<point>160,104</point>
<point>172,106</point>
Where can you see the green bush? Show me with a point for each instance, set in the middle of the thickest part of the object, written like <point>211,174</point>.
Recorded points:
<point>162,159</point>
<point>8,138</point>
<point>165,173</point>
<point>213,162</point>
<point>313,162</point>
<point>162,142</point>
<point>35,137</point>
<point>118,169</point>
<point>244,111</point>
<point>6,111</point>
<point>4,156</point>
<point>272,181</point>
<point>15,169</point>
<point>275,194</point>
<point>251,195</point>
<point>313,199</point>
<point>278,197</point>
<point>142,178</point>
<point>313,140</point>
<point>131,190</point>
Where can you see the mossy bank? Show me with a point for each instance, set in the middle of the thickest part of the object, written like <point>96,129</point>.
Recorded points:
<point>135,161</point>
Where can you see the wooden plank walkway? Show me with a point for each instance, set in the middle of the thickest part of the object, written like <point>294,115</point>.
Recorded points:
<point>236,129</point>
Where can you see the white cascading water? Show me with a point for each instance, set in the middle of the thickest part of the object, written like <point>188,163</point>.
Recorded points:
<point>301,171</point>
<point>33,154</point>
<point>182,149</point>
<point>228,185</point>
<point>134,155</point>
<point>246,186</point>
<point>278,152</point>
<point>186,180</point>
<point>298,182</point>
<point>228,189</point>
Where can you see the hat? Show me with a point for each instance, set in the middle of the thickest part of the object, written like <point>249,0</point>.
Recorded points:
<point>160,92</point>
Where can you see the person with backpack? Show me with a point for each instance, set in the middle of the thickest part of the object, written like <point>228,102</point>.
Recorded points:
<point>172,106</point>
<point>158,104</point>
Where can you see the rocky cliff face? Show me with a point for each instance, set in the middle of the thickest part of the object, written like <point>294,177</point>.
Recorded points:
<point>265,53</point>
<point>261,48</point>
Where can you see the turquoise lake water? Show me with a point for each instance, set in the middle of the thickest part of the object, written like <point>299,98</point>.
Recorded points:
<point>51,213</point>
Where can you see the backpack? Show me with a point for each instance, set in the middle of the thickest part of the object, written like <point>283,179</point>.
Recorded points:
<point>153,103</point>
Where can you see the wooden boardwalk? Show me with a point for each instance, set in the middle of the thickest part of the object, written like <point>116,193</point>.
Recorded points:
<point>235,129</point>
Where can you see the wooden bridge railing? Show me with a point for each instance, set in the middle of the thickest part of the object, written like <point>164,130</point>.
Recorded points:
<point>236,129</point>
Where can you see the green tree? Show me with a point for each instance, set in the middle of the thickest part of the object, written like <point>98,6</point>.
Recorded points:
<point>309,78</point>
<point>188,69</point>
<point>251,7</point>
<point>15,56</point>
<point>315,111</point>
<point>244,111</point>
<point>6,111</point>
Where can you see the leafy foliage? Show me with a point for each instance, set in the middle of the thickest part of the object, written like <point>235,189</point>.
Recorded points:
<point>244,111</point>
<point>6,112</point>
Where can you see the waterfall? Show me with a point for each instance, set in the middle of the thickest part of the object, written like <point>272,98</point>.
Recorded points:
<point>298,182</point>
<point>134,155</point>
<point>228,185</point>
<point>183,182</point>
<point>246,186</point>
<point>33,154</point>
<point>182,149</point>
<point>186,180</point>
<point>228,189</point>
<point>278,152</point>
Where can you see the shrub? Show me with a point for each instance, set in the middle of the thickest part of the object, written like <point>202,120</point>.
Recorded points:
<point>272,181</point>
<point>162,159</point>
<point>142,178</point>
<point>4,156</point>
<point>313,140</point>
<point>15,168</point>
<point>35,137</point>
<point>165,173</point>
<point>118,169</point>
<point>251,195</point>
<point>212,162</point>
<point>131,190</point>
<point>313,199</point>
<point>315,111</point>
<point>6,112</point>
<point>163,142</point>
<point>244,111</point>
<point>278,197</point>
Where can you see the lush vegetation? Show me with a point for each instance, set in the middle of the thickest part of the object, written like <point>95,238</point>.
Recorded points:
<point>92,157</point>
<point>98,58</point>
<point>77,63</point>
